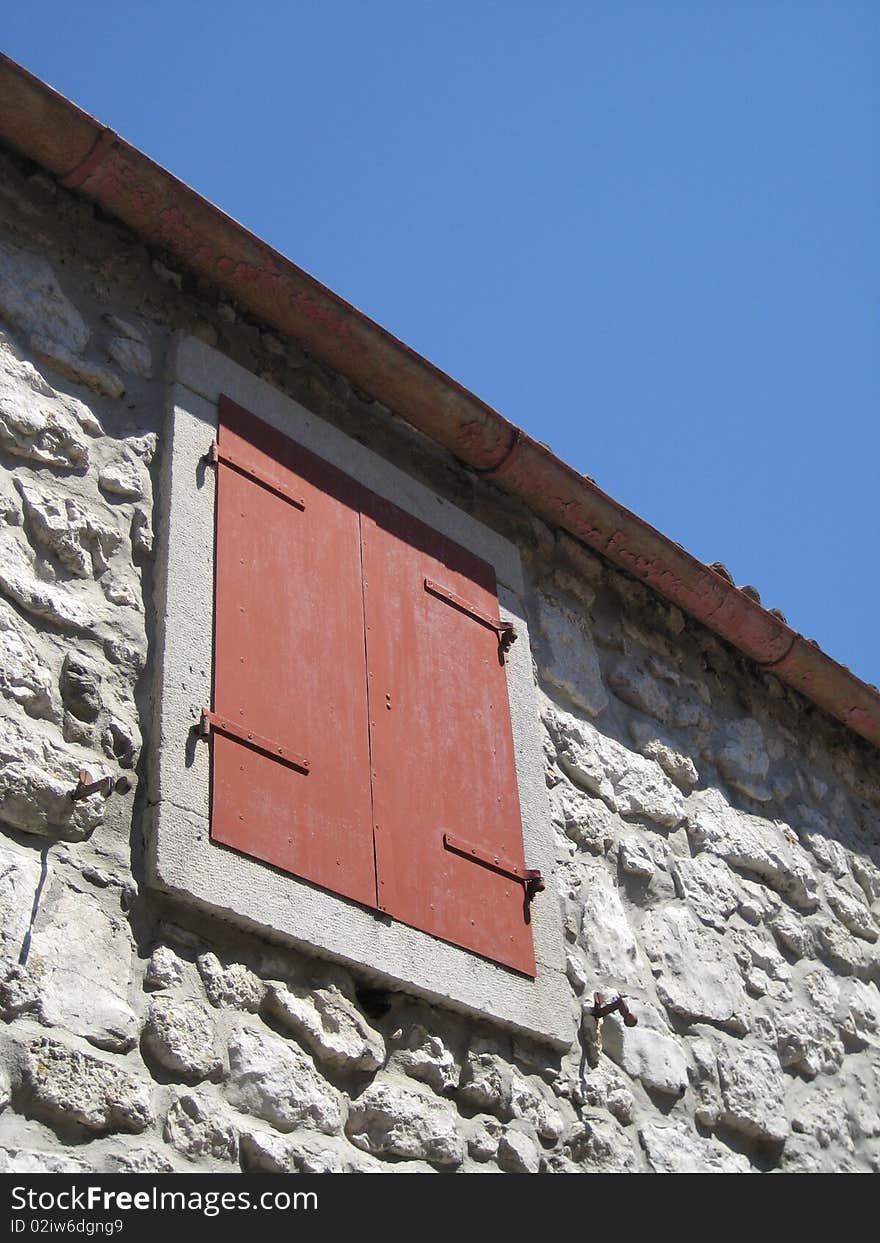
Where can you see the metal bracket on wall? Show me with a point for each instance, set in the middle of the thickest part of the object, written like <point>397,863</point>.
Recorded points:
<point>105,786</point>
<point>600,1011</point>
<point>504,631</point>
<point>210,720</point>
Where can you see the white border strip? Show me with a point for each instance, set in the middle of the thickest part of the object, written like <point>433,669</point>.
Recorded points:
<point>182,860</point>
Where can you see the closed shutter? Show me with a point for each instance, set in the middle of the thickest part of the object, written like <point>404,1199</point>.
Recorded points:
<point>362,735</point>
<point>289,664</point>
<point>445,805</point>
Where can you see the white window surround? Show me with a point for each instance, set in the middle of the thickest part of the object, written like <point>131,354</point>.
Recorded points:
<point>182,860</point>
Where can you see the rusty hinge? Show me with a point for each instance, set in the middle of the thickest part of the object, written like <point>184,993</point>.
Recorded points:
<point>216,455</point>
<point>504,630</point>
<point>530,878</point>
<point>210,720</point>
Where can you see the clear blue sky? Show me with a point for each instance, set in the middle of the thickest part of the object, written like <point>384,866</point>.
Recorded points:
<point>647,232</point>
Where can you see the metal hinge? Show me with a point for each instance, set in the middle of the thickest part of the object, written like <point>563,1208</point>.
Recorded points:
<point>530,878</point>
<point>504,630</point>
<point>210,720</point>
<point>216,455</point>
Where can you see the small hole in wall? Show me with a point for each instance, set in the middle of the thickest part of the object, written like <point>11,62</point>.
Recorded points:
<point>375,1002</point>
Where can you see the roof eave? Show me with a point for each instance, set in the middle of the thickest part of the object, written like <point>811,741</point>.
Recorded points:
<point>86,156</point>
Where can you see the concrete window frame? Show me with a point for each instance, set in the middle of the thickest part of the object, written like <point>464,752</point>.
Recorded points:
<point>181,859</point>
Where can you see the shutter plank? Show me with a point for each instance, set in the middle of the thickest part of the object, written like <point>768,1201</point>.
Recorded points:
<point>442,746</point>
<point>290,663</point>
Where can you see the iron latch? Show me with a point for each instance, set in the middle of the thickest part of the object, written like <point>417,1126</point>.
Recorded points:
<point>211,720</point>
<point>530,878</point>
<point>504,630</point>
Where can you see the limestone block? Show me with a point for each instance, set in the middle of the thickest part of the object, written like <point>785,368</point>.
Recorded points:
<point>708,887</point>
<point>758,846</point>
<point>234,986</point>
<point>792,933</point>
<point>867,875</point>
<point>32,300</point>
<point>123,478</point>
<point>843,952</point>
<point>304,1152</point>
<point>491,1083</point>
<point>80,685</point>
<point>275,1080</point>
<point>81,541</point>
<point>574,969</point>
<point>138,1161</point>
<point>120,591</point>
<point>19,992</point>
<point>584,820</point>
<point>678,766</point>
<point>32,1161</point>
<point>164,970</point>
<point>69,1086</point>
<point>329,1024</point>
<point>625,781</point>
<point>609,943</point>
<point>518,1153</point>
<point>568,655</point>
<point>483,1134</point>
<point>179,1035</point>
<point>752,1092</point>
<point>141,532</point>
<point>121,742</point>
<point>697,976</point>
<point>819,836</point>
<point>638,687</point>
<point>744,759</point>
<point>648,1052</point>
<point>852,913</point>
<point>636,859</point>
<point>132,354</point>
<point>807,1043</point>
<point>603,1088</point>
<point>36,421</point>
<point>673,1148</point>
<point>19,879</point>
<point>80,958</point>
<point>65,605</point>
<point>704,1077</point>
<point>427,1057</point>
<point>25,676</point>
<point>100,379</point>
<point>600,1144</point>
<point>199,1127</point>
<point>857,1013</point>
<point>393,1117</point>
<point>821,1112</point>
<point>37,774</point>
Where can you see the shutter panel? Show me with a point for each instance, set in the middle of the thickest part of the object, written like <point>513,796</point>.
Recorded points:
<point>289,662</point>
<point>441,743</point>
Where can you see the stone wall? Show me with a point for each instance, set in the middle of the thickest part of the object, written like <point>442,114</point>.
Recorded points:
<point>717,838</point>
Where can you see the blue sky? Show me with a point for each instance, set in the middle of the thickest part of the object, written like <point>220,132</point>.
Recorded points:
<point>647,232</point>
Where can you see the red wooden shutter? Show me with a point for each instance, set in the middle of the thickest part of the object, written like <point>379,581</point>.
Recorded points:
<point>441,744</point>
<point>362,735</point>
<point>291,772</point>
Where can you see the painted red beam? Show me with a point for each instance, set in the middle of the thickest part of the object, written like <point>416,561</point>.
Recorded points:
<point>88,157</point>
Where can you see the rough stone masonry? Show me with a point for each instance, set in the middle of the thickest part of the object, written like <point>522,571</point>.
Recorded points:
<point>717,838</point>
